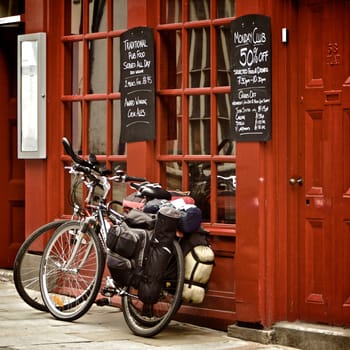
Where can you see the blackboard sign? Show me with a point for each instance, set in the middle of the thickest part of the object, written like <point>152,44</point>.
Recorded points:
<point>137,85</point>
<point>251,78</point>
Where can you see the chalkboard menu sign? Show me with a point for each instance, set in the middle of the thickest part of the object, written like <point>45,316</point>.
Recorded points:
<point>137,85</point>
<point>251,78</point>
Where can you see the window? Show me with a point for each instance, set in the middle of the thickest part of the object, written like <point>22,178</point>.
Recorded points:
<point>91,78</point>
<point>194,136</point>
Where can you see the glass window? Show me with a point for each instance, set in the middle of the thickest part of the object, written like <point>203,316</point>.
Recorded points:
<point>199,124</point>
<point>97,127</point>
<point>199,10</point>
<point>226,193</point>
<point>199,57</point>
<point>171,11</point>
<point>98,66</point>
<point>97,16</point>
<point>198,155</point>
<point>225,8</point>
<point>120,8</point>
<point>91,47</point>
<point>223,55</point>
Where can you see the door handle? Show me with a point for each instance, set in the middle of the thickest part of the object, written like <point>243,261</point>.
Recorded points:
<point>293,181</point>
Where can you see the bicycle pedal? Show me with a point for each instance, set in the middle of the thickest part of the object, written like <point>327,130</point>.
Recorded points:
<point>108,291</point>
<point>102,302</point>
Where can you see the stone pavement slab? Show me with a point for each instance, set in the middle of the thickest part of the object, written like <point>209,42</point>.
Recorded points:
<point>102,327</point>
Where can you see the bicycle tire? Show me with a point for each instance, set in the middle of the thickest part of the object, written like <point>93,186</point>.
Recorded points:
<point>69,284</point>
<point>160,314</point>
<point>27,265</point>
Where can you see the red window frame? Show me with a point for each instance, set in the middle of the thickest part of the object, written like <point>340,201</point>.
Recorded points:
<point>164,125</point>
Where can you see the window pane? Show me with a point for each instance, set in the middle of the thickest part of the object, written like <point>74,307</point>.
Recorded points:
<point>98,66</point>
<point>171,114</point>
<point>171,11</point>
<point>118,147</point>
<point>224,131</point>
<point>226,193</point>
<point>171,62</point>
<point>199,10</point>
<point>97,16</point>
<point>199,180</point>
<point>199,57</point>
<point>199,128</point>
<point>174,175</point>
<point>76,49</point>
<point>120,10</point>
<point>225,8</point>
<point>119,190</point>
<point>76,17</point>
<point>116,64</point>
<point>97,127</point>
<point>76,126</point>
<point>223,56</point>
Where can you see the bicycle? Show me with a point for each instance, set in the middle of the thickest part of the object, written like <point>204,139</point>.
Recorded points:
<point>27,261</point>
<point>73,261</point>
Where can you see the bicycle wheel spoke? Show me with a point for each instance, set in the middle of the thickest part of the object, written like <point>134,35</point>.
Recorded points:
<point>71,272</point>
<point>148,320</point>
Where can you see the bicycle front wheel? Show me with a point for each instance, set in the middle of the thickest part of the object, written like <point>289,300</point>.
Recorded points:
<point>71,270</point>
<point>148,320</point>
<point>27,264</point>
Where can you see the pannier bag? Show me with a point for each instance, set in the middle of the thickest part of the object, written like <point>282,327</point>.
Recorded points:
<point>159,254</point>
<point>139,219</point>
<point>127,248</point>
<point>199,262</point>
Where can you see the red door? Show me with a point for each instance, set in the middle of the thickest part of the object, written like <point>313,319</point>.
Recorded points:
<point>321,179</point>
<point>12,169</point>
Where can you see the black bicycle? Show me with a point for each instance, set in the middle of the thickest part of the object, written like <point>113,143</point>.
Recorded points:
<point>73,262</point>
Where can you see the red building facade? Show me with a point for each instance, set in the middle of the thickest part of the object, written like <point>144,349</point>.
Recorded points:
<point>281,240</point>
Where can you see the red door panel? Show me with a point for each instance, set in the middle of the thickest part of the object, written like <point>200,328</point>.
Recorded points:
<point>12,169</point>
<point>324,153</point>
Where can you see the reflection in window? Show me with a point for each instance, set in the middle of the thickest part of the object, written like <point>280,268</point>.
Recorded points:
<point>118,147</point>
<point>116,64</point>
<point>223,55</point>
<point>174,175</point>
<point>119,189</point>
<point>199,185</point>
<point>225,145</point>
<point>97,127</point>
<point>97,16</point>
<point>226,193</point>
<point>171,66</point>
<point>98,66</point>
<point>120,8</point>
<point>170,108</point>
<point>77,67</point>
<point>199,10</point>
<point>76,126</point>
<point>199,128</point>
<point>199,57</point>
<point>225,8</point>
<point>171,11</point>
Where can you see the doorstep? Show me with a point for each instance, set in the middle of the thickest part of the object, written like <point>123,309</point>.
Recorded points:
<point>301,335</point>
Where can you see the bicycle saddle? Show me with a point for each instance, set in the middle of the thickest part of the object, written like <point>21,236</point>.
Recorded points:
<point>151,191</point>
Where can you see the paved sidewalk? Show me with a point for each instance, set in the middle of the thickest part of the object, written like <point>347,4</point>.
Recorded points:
<point>101,328</point>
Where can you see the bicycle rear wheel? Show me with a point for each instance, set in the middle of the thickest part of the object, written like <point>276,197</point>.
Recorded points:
<point>71,271</point>
<point>27,264</point>
<point>148,320</point>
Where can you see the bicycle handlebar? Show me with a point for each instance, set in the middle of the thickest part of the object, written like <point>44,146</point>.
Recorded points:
<point>81,165</point>
<point>68,148</point>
